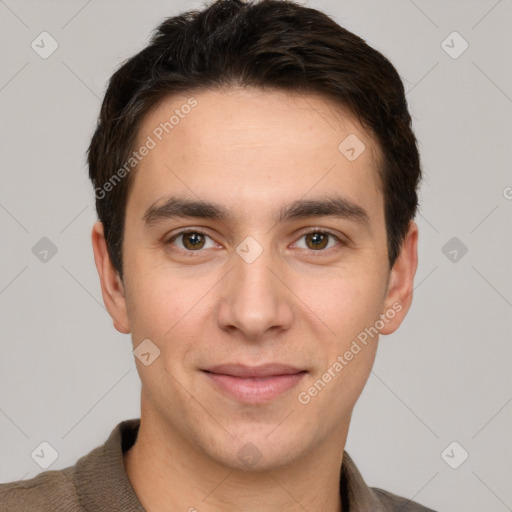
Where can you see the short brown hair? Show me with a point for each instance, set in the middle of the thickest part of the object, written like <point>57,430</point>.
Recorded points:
<point>272,44</point>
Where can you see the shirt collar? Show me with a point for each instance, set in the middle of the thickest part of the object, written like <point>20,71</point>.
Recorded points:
<point>102,482</point>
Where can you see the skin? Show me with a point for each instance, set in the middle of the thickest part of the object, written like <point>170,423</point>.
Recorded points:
<point>251,151</point>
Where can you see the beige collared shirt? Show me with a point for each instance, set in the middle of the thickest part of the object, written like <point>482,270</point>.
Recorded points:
<point>98,483</point>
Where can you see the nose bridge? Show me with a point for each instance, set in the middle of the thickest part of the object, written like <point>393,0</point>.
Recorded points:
<point>253,299</point>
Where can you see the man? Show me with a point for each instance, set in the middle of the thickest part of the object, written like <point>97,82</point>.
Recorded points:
<point>255,175</point>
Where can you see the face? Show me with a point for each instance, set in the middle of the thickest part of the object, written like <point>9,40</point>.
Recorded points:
<point>254,240</point>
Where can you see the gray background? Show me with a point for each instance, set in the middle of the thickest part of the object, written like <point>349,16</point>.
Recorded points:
<point>67,377</point>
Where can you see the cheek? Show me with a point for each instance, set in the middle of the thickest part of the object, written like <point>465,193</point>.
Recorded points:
<point>345,303</point>
<point>158,304</point>
<point>346,308</point>
<point>350,309</point>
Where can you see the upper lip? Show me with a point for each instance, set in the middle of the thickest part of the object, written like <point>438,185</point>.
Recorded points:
<point>264,370</point>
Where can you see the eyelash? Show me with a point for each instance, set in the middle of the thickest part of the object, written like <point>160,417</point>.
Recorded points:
<point>200,231</point>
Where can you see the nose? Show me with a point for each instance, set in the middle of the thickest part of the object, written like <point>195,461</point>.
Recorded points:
<point>253,300</point>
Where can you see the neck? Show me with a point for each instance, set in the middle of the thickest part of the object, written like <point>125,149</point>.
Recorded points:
<point>169,473</point>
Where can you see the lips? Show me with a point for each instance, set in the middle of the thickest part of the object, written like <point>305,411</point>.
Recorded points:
<point>254,384</point>
<point>265,370</point>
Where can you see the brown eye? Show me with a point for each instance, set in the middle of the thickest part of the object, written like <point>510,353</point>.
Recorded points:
<point>193,240</point>
<point>317,240</point>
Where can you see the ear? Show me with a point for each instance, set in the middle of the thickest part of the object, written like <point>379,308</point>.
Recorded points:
<point>112,287</point>
<point>401,282</point>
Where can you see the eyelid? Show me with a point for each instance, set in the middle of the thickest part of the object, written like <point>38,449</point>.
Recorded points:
<point>320,230</point>
<point>190,229</point>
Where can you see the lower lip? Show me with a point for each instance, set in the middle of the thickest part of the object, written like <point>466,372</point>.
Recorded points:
<point>255,390</point>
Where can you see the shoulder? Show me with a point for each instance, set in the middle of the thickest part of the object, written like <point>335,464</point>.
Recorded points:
<point>362,497</point>
<point>49,491</point>
<point>392,503</point>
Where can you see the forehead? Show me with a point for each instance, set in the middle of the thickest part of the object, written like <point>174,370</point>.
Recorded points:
<point>241,144</point>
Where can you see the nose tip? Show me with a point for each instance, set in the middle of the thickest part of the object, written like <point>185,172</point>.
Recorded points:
<point>253,301</point>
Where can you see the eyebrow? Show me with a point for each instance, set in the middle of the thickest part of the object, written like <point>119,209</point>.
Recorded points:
<point>178,207</point>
